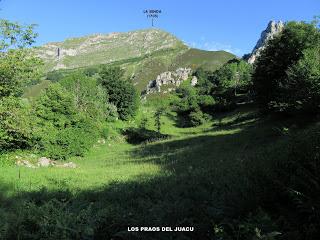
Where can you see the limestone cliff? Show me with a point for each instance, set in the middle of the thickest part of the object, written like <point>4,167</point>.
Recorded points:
<point>272,29</point>
<point>170,80</point>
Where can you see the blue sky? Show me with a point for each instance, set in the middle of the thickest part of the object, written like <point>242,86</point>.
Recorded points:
<point>232,25</point>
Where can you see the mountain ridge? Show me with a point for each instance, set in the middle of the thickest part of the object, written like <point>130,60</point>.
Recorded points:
<point>106,48</point>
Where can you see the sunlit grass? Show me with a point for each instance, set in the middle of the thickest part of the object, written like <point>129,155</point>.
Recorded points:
<point>113,162</point>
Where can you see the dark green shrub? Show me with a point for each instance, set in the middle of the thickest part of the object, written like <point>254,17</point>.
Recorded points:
<point>91,71</point>
<point>120,92</point>
<point>55,76</point>
<point>196,118</point>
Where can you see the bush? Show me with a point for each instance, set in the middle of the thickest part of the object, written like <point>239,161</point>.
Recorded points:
<point>71,141</point>
<point>16,124</point>
<point>63,132</point>
<point>196,118</point>
<point>55,76</point>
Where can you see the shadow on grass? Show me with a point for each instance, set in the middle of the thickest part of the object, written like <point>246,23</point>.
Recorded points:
<point>203,182</point>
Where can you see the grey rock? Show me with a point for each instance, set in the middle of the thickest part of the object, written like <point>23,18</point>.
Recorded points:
<point>194,81</point>
<point>272,29</point>
<point>173,79</point>
<point>45,162</point>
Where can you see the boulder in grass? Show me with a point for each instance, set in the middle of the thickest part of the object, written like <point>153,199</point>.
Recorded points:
<point>45,162</point>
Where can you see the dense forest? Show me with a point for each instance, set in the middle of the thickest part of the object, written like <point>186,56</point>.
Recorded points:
<point>236,156</point>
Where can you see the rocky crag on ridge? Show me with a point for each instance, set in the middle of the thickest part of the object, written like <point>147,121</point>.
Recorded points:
<point>171,80</point>
<point>273,28</point>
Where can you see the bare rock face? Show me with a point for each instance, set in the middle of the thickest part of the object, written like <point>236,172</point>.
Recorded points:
<point>272,29</point>
<point>171,80</point>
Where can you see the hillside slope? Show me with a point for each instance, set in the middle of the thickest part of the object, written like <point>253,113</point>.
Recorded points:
<point>143,54</point>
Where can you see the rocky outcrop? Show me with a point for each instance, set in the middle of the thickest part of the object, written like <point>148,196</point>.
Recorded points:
<point>171,80</point>
<point>272,29</point>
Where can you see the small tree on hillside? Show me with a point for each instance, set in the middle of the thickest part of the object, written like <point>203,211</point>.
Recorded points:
<point>157,118</point>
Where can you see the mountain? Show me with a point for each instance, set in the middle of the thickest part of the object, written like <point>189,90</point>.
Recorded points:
<point>144,54</point>
<point>272,29</point>
<point>105,48</point>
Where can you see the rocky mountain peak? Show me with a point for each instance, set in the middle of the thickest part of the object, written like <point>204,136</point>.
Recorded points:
<point>273,28</point>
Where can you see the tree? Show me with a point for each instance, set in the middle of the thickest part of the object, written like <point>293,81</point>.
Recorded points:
<point>235,74</point>
<point>18,67</point>
<point>14,35</point>
<point>17,124</point>
<point>303,92</point>
<point>157,118</point>
<point>63,130</point>
<point>270,77</point>
<point>90,97</point>
<point>190,104</point>
<point>121,93</point>
<point>56,106</point>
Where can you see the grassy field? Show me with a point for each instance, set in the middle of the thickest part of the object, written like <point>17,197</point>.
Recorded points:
<point>196,178</point>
